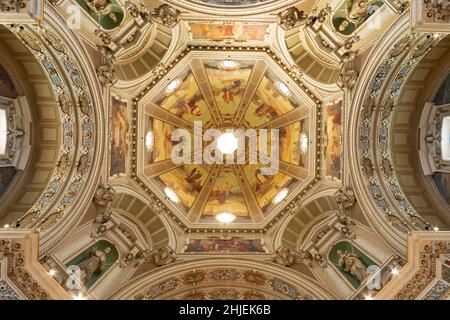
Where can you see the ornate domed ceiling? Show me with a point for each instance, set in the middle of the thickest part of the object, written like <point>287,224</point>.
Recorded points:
<point>205,149</point>
<point>225,90</point>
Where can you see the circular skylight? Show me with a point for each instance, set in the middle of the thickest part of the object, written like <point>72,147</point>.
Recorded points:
<point>3,132</point>
<point>280,196</point>
<point>227,143</point>
<point>303,143</point>
<point>282,88</point>
<point>228,65</point>
<point>171,194</point>
<point>225,217</point>
<point>149,140</point>
<point>173,86</point>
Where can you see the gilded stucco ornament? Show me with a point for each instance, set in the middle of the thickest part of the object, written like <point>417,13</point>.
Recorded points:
<point>345,198</point>
<point>284,256</point>
<point>103,198</point>
<point>347,79</point>
<point>12,5</point>
<point>290,18</point>
<point>166,15</point>
<point>106,71</point>
<point>164,256</point>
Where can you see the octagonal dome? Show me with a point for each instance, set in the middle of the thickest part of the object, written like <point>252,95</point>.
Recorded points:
<point>225,91</point>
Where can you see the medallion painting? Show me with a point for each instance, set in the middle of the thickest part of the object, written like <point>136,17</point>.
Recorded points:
<point>186,181</point>
<point>351,14</point>
<point>94,262</point>
<point>7,88</point>
<point>216,245</point>
<point>7,175</point>
<point>186,100</point>
<point>228,85</point>
<point>106,13</point>
<point>226,195</point>
<point>119,129</point>
<point>351,262</point>
<point>217,31</point>
<point>333,134</point>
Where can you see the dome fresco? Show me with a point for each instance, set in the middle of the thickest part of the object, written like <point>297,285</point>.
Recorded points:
<point>241,93</point>
<point>224,150</point>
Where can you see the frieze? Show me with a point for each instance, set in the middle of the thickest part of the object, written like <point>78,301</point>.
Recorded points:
<point>235,276</point>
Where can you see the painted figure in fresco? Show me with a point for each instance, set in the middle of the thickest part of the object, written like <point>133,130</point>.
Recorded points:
<point>188,108</point>
<point>223,193</point>
<point>93,264</point>
<point>194,179</point>
<point>118,143</point>
<point>352,264</point>
<point>232,88</point>
<point>264,110</point>
<point>357,12</point>
<point>262,182</point>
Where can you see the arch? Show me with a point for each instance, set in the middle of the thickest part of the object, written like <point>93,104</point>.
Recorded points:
<point>35,97</point>
<point>181,278</point>
<point>60,206</point>
<point>312,211</point>
<point>389,64</point>
<point>132,205</point>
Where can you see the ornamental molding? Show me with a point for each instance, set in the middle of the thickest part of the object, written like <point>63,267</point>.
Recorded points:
<point>164,283</point>
<point>24,275</point>
<point>427,252</point>
<point>231,11</point>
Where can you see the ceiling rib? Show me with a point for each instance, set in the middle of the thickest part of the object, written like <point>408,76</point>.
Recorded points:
<point>253,207</point>
<point>286,119</point>
<point>202,79</point>
<point>199,204</point>
<point>162,114</point>
<point>295,171</point>
<point>250,90</point>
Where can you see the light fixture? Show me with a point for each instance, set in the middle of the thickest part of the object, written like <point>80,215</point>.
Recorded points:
<point>227,143</point>
<point>368,297</point>
<point>225,217</point>
<point>6,226</point>
<point>303,143</point>
<point>280,196</point>
<point>52,272</point>
<point>172,86</point>
<point>395,271</point>
<point>3,131</point>
<point>436,229</point>
<point>171,194</point>
<point>228,65</point>
<point>282,88</point>
<point>149,140</point>
<point>79,296</point>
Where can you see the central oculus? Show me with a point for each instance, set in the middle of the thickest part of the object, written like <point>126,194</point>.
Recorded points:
<point>227,143</point>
